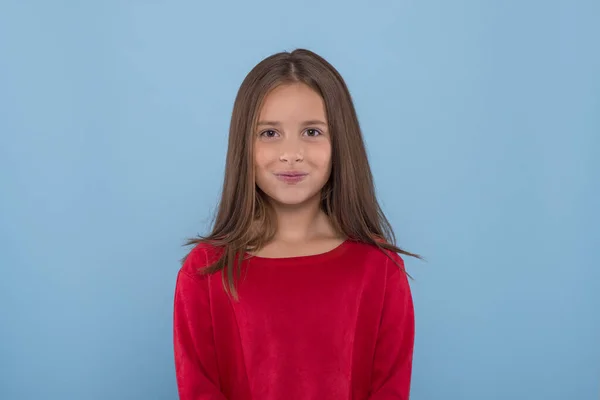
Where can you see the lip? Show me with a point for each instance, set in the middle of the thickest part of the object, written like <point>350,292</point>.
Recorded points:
<point>291,177</point>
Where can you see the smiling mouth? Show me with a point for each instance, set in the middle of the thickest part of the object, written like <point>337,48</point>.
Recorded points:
<point>291,178</point>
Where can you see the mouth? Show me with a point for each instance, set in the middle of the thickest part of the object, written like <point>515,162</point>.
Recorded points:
<point>291,177</point>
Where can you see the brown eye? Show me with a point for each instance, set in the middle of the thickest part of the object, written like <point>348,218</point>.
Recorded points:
<point>269,133</point>
<point>313,132</point>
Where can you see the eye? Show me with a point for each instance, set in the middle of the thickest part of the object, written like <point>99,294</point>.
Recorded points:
<point>313,132</point>
<point>269,133</point>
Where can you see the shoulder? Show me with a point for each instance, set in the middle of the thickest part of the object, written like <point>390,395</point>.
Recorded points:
<point>200,256</point>
<point>373,251</point>
<point>393,273</point>
<point>379,258</point>
<point>384,271</point>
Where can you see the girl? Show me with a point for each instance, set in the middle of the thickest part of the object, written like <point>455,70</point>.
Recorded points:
<point>298,292</point>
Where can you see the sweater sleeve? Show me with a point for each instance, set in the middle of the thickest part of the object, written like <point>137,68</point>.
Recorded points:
<point>195,359</point>
<point>392,365</point>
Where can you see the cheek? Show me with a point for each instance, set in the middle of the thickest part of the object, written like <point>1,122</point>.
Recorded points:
<point>262,156</point>
<point>322,156</point>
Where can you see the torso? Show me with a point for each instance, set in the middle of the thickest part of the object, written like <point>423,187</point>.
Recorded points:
<point>306,324</point>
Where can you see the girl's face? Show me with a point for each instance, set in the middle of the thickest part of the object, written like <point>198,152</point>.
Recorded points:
<point>292,145</point>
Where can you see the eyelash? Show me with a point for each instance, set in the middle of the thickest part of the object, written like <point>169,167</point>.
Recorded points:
<point>262,134</point>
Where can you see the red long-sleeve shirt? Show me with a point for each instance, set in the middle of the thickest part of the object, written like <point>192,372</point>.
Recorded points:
<point>337,325</point>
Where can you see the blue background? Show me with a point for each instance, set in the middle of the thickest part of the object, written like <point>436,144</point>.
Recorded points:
<point>482,120</point>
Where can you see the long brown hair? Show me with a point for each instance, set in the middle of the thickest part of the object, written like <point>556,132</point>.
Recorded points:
<point>348,197</point>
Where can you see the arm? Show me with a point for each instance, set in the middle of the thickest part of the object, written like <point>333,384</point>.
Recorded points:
<point>392,365</point>
<point>195,359</point>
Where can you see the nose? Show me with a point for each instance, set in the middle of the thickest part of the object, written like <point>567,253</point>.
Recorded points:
<point>291,151</point>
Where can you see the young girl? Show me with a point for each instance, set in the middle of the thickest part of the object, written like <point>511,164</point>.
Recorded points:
<point>298,292</point>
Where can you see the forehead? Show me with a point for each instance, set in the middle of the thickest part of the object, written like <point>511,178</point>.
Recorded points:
<point>292,102</point>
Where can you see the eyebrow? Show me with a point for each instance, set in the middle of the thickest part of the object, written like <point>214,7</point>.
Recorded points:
<point>277,123</point>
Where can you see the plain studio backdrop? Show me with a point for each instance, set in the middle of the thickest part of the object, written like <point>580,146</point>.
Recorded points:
<point>482,122</point>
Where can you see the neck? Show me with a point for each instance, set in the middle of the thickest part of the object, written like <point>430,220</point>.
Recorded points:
<point>303,222</point>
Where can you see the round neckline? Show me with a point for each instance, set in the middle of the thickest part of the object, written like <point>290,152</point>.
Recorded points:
<point>309,258</point>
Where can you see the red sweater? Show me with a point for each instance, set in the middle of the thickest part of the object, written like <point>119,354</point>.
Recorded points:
<point>337,325</point>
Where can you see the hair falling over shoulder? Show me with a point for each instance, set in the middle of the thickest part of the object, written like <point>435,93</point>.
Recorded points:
<point>244,220</point>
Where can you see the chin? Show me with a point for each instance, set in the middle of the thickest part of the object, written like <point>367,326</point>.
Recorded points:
<point>291,199</point>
